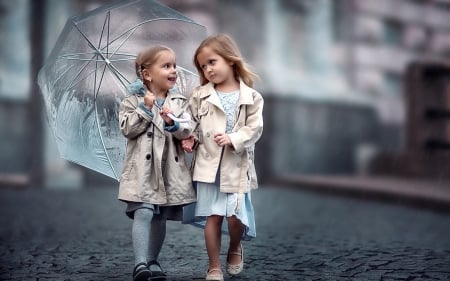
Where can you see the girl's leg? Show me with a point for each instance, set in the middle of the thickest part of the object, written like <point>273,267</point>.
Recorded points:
<point>213,240</point>
<point>157,236</point>
<point>141,234</point>
<point>236,229</point>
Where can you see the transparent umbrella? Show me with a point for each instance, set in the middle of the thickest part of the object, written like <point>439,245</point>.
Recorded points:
<point>87,73</point>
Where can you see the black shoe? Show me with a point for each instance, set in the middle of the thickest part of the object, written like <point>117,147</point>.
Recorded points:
<point>141,272</point>
<point>158,274</point>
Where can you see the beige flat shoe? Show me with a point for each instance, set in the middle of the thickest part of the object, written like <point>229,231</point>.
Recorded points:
<point>235,269</point>
<point>214,274</point>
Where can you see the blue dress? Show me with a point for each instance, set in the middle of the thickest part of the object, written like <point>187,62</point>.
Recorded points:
<point>210,201</point>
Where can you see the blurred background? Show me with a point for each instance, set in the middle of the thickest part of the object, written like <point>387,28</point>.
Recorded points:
<point>352,88</point>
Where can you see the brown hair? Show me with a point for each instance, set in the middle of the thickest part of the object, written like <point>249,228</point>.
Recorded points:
<point>225,47</point>
<point>147,57</point>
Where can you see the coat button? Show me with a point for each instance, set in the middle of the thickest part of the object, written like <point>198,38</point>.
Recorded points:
<point>149,134</point>
<point>148,156</point>
<point>176,158</point>
<point>207,135</point>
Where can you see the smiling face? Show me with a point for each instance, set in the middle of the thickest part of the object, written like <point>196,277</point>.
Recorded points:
<point>215,68</point>
<point>162,74</point>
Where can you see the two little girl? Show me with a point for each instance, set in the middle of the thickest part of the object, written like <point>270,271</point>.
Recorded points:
<point>226,123</point>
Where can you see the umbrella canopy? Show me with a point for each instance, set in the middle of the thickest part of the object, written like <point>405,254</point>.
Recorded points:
<point>87,73</point>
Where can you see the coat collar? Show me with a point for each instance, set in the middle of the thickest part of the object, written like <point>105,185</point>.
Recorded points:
<point>245,96</point>
<point>174,94</point>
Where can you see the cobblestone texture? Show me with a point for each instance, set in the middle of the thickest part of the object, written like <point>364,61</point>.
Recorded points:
<point>84,235</point>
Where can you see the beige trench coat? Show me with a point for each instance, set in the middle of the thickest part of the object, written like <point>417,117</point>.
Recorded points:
<point>145,178</point>
<point>237,173</point>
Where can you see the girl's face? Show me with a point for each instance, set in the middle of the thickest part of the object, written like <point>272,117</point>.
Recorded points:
<point>215,68</point>
<point>162,73</point>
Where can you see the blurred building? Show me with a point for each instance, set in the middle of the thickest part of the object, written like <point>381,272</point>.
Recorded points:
<point>385,47</point>
<point>332,74</point>
<point>377,39</point>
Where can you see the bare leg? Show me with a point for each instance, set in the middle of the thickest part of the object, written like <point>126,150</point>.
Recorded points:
<point>213,240</point>
<point>236,229</point>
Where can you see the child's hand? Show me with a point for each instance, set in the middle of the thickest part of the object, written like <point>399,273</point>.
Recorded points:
<point>149,99</point>
<point>222,139</point>
<point>188,144</point>
<point>164,111</point>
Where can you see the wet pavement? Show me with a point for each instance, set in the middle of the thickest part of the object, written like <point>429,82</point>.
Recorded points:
<point>84,235</point>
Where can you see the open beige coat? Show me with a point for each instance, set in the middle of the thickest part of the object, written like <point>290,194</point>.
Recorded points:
<point>237,173</point>
<point>145,178</point>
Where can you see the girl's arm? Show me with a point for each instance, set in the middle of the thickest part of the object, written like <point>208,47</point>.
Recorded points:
<point>134,117</point>
<point>181,130</point>
<point>247,135</point>
<point>189,143</point>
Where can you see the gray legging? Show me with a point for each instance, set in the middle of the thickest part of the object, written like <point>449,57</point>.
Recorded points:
<point>148,234</point>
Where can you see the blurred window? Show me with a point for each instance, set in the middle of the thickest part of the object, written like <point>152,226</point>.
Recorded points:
<point>393,32</point>
<point>393,83</point>
<point>443,5</point>
<point>14,50</point>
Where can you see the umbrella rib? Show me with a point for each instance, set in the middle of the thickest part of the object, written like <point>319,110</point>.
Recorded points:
<point>76,54</point>
<point>79,73</point>
<point>130,32</point>
<point>97,60</point>
<point>103,30</point>
<point>147,21</point>
<point>113,69</point>
<point>98,52</point>
<point>84,65</point>
<point>119,75</point>
<point>107,34</point>
<point>98,121</point>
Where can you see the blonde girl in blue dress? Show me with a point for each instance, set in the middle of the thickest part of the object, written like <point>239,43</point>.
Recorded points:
<point>228,115</point>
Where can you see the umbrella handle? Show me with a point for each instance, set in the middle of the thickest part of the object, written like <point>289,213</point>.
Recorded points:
<point>183,119</point>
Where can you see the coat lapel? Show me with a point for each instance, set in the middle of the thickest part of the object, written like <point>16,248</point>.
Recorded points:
<point>211,96</point>
<point>157,121</point>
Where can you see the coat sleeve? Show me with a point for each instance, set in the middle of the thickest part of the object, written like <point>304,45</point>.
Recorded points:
<point>193,110</point>
<point>134,117</point>
<point>247,135</point>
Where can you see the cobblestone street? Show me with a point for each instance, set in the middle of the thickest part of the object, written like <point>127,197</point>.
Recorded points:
<point>84,235</point>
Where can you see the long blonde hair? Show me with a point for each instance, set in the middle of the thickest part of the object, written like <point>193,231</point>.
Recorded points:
<point>225,47</point>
